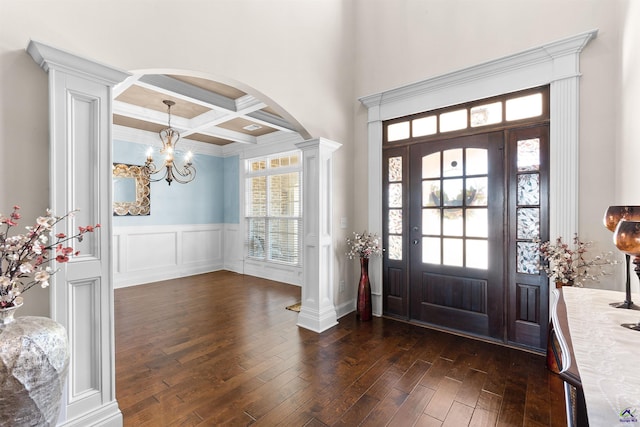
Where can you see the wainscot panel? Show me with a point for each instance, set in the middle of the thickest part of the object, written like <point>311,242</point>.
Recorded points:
<point>154,253</point>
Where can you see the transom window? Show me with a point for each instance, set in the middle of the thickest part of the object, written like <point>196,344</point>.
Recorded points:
<point>484,113</point>
<point>274,208</point>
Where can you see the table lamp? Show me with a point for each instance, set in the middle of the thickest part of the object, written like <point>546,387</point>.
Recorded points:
<point>612,217</point>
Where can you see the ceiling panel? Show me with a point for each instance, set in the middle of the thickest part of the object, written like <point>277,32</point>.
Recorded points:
<point>202,107</point>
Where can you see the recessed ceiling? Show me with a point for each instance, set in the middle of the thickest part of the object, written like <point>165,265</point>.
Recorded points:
<point>205,111</point>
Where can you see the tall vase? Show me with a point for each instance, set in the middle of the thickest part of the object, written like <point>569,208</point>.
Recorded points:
<point>363,308</point>
<point>34,359</point>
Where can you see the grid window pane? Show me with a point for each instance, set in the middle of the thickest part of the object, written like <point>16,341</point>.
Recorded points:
<point>477,189</point>
<point>431,250</point>
<point>487,114</point>
<point>452,222</point>
<point>395,195</point>
<point>395,247</point>
<point>425,126</point>
<point>431,166</point>
<point>477,253</point>
<point>395,169</point>
<point>477,163</point>
<point>431,221</point>
<point>452,252</point>
<point>452,162</point>
<point>257,196</point>
<point>528,223</point>
<point>284,194</point>
<point>395,221</point>
<point>398,131</point>
<point>529,189</point>
<point>477,222</point>
<point>527,256</point>
<point>529,155</point>
<point>452,189</point>
<point>283,240</point>
<point>524,107</point>
<point>453,120</point>
<point>257,237</point>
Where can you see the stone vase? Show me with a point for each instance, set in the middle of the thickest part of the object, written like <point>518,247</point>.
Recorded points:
<point>34,360</point>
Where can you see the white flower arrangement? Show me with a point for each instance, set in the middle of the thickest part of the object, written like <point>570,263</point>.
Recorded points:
<point>569,265</point>
<point>25,258</point>
<point>363,245</point>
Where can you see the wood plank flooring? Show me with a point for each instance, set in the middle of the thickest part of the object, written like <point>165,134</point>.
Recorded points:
<point>221,349</point>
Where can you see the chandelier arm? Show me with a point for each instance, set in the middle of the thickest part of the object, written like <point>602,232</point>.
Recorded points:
<point>189,174</point>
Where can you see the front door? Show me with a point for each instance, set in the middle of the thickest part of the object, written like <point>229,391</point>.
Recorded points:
<point>456,233</point>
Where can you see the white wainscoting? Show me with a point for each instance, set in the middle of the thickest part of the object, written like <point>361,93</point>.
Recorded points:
<point>154,253</point>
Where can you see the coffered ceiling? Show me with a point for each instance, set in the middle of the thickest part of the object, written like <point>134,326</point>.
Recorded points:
<point>204,110</point>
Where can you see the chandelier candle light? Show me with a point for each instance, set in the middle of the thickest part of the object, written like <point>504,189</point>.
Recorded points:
<point>169,172</point>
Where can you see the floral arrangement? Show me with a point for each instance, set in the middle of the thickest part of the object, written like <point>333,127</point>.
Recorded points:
<point>565,264</point>
<point>25,258</point>
<point>363,245</point>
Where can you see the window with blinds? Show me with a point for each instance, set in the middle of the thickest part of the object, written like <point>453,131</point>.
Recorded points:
<point>274,208</point>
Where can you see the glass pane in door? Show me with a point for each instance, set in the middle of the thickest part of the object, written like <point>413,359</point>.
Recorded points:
<point>455,215</point>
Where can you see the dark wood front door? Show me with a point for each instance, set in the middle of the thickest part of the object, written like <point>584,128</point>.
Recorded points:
<point>461,219</point>
<point>456,254</point>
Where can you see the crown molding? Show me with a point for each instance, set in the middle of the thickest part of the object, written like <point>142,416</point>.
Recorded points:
<point>53,58</point>
<point>539,65</point>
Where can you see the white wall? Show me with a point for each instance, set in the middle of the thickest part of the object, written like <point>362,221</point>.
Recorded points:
<point>628,154</point>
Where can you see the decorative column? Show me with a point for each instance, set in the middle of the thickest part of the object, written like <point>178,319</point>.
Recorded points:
<point>564,157</point>
<point>80,102</point>
<point>374,156</point>
<point>318,312</point>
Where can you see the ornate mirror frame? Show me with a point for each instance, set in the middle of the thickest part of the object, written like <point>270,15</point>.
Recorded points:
<point>142,204</point>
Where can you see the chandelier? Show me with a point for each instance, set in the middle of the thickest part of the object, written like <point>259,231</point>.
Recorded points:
<point>169,171</point>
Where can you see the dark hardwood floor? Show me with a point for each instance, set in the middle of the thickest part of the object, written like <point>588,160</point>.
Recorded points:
<point>221,349</point>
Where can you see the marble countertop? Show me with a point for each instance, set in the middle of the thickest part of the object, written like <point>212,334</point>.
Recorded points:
<point>607,355</point>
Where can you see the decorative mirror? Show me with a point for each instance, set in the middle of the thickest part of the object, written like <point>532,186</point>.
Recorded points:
<point>131,190</point>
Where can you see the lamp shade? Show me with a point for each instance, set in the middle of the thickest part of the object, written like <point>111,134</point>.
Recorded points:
<point>627,237</point>
<point>614,214</point>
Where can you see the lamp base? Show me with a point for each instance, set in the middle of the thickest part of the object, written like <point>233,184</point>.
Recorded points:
<point>626,304</point>
<point>634,326</point>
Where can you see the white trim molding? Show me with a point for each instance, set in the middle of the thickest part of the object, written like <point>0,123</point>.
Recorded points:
<point>555,64</point>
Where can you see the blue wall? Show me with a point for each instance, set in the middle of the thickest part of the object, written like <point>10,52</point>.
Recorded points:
<point>231,171</point>
<point>212,198</point>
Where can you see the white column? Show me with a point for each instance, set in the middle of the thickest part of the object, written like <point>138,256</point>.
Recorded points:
<point>318,312</point>
<point>564,160</point>
<point>80,176</point>
<point>374,221</point>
